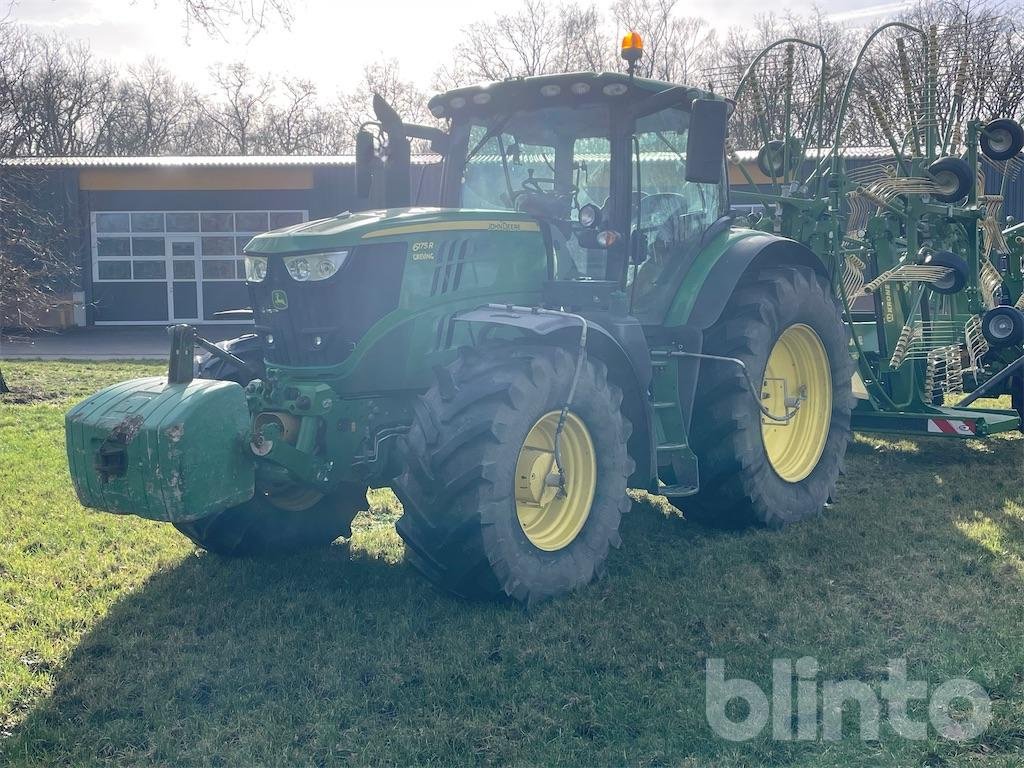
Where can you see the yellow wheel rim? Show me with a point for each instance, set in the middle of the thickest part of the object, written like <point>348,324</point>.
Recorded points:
<point>797,372</point>
<point>551,519</point>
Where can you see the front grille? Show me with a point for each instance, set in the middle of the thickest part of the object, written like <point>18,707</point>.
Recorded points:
<point>338,310</point>
<point>451,257</point>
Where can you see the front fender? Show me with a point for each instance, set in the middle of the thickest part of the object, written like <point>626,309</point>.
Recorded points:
<point>616,340</point>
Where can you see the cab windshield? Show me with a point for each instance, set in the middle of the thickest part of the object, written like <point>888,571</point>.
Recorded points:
<point>546,162</point>
<point>550,162</point>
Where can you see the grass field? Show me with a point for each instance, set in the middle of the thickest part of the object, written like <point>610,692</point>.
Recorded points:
<point>120,644</point>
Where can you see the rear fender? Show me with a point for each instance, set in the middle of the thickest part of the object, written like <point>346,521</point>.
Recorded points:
<point>710,284</point>
<point>716,272</point>
<point>619,342</point>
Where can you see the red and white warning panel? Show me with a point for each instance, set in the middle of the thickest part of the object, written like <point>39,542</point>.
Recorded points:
<point>965,427</point>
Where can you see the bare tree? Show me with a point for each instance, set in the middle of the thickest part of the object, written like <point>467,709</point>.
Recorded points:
<point>214,16</point>
<point>61,99</point>
<point>289,125</point>
<point>35,250</point>
<point>240,106</point>
<point>980,56</point>
<point>537,39</point>
<point>384,78</point>
<point>153,106</point>
<point>675,47</point>
<point>17,62</point>
<point>761,110</point>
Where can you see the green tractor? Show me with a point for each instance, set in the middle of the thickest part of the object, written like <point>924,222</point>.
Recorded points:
<point>583,315</point>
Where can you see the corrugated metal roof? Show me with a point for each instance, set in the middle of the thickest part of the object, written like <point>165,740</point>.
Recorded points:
<point>745,155</point>
<point>304,161</point>
<point>855,153</point>
<point>197,161</point>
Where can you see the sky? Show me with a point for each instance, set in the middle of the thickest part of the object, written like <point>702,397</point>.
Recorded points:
<point>329,41</point>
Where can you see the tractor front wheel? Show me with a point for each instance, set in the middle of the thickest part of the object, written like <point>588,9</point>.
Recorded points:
<point>786,327</point>
<point>487,512</point>
<point>278,524</point>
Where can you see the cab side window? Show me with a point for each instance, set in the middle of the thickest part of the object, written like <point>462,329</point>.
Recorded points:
<point>668,205</point>
<point>591,164</point>
<point>670,212</point>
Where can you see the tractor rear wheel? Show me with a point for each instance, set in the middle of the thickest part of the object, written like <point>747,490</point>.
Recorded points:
<point>786,327</point>
<point>486,513</point>
<point>274,525</point>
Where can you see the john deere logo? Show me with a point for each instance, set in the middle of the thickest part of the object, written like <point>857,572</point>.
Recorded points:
<point>279,299</point>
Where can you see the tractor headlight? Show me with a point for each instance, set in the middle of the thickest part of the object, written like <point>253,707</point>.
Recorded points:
<point>255,269</point>
<point>315,266</point>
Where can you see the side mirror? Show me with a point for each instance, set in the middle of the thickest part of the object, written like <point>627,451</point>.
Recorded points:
<point>396,160</point>
<point>705,143</point>
<point>386,114</point>
<point>364,163</point>
<point>397,193</point>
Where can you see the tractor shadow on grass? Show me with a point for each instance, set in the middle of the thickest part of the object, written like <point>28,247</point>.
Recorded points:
<point>253,642</point>
<point>341,656</point>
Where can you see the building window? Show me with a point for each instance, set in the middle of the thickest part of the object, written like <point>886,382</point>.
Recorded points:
<point>115,270</point>
<point>112,222</point>
<point>280,219</point>
<point>184,270</point>
<point>179,221</point>
<point>113,247</point>
<point>133,245</point>
<point>147,221</point>
<point>149,270</point>
<point>183,248</point>
<point>218,269</point>
<point>251,221</point>
<point>217,222</point>
<point>147,246</point>
<point>218,246</point>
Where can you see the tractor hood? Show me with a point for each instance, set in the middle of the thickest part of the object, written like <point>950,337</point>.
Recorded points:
<point>367,227</point>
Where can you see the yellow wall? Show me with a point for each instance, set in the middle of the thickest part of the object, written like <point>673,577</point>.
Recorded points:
<point>737,179</point>
<point>111,179</point>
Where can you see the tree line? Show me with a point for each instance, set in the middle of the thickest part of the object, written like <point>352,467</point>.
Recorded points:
<point>57,98</point>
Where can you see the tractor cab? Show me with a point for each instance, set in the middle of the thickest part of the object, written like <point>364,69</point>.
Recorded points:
<point>625,174</point>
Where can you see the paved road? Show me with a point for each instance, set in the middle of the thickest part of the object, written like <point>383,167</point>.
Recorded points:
<point>104,343</point>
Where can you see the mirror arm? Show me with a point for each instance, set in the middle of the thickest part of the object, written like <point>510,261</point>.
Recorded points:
<point>425,132</point>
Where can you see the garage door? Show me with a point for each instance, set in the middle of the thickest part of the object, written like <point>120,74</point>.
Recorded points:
<point>155,267</point>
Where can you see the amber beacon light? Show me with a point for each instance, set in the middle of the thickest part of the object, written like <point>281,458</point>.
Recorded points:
<point>632,49</point>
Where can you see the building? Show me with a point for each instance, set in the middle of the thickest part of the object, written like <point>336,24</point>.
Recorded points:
<point>159,239</point>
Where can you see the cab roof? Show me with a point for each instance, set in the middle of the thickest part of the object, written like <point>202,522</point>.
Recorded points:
<point>564,89</point>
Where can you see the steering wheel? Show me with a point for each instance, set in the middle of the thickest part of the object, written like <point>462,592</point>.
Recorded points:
<point>531,187</point>
<point>533,184</point>
<point>656,211</point>
<point>546,203</point>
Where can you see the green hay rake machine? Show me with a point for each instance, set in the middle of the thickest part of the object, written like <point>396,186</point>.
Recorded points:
<point>584,314</point>
<point>926,266</point>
